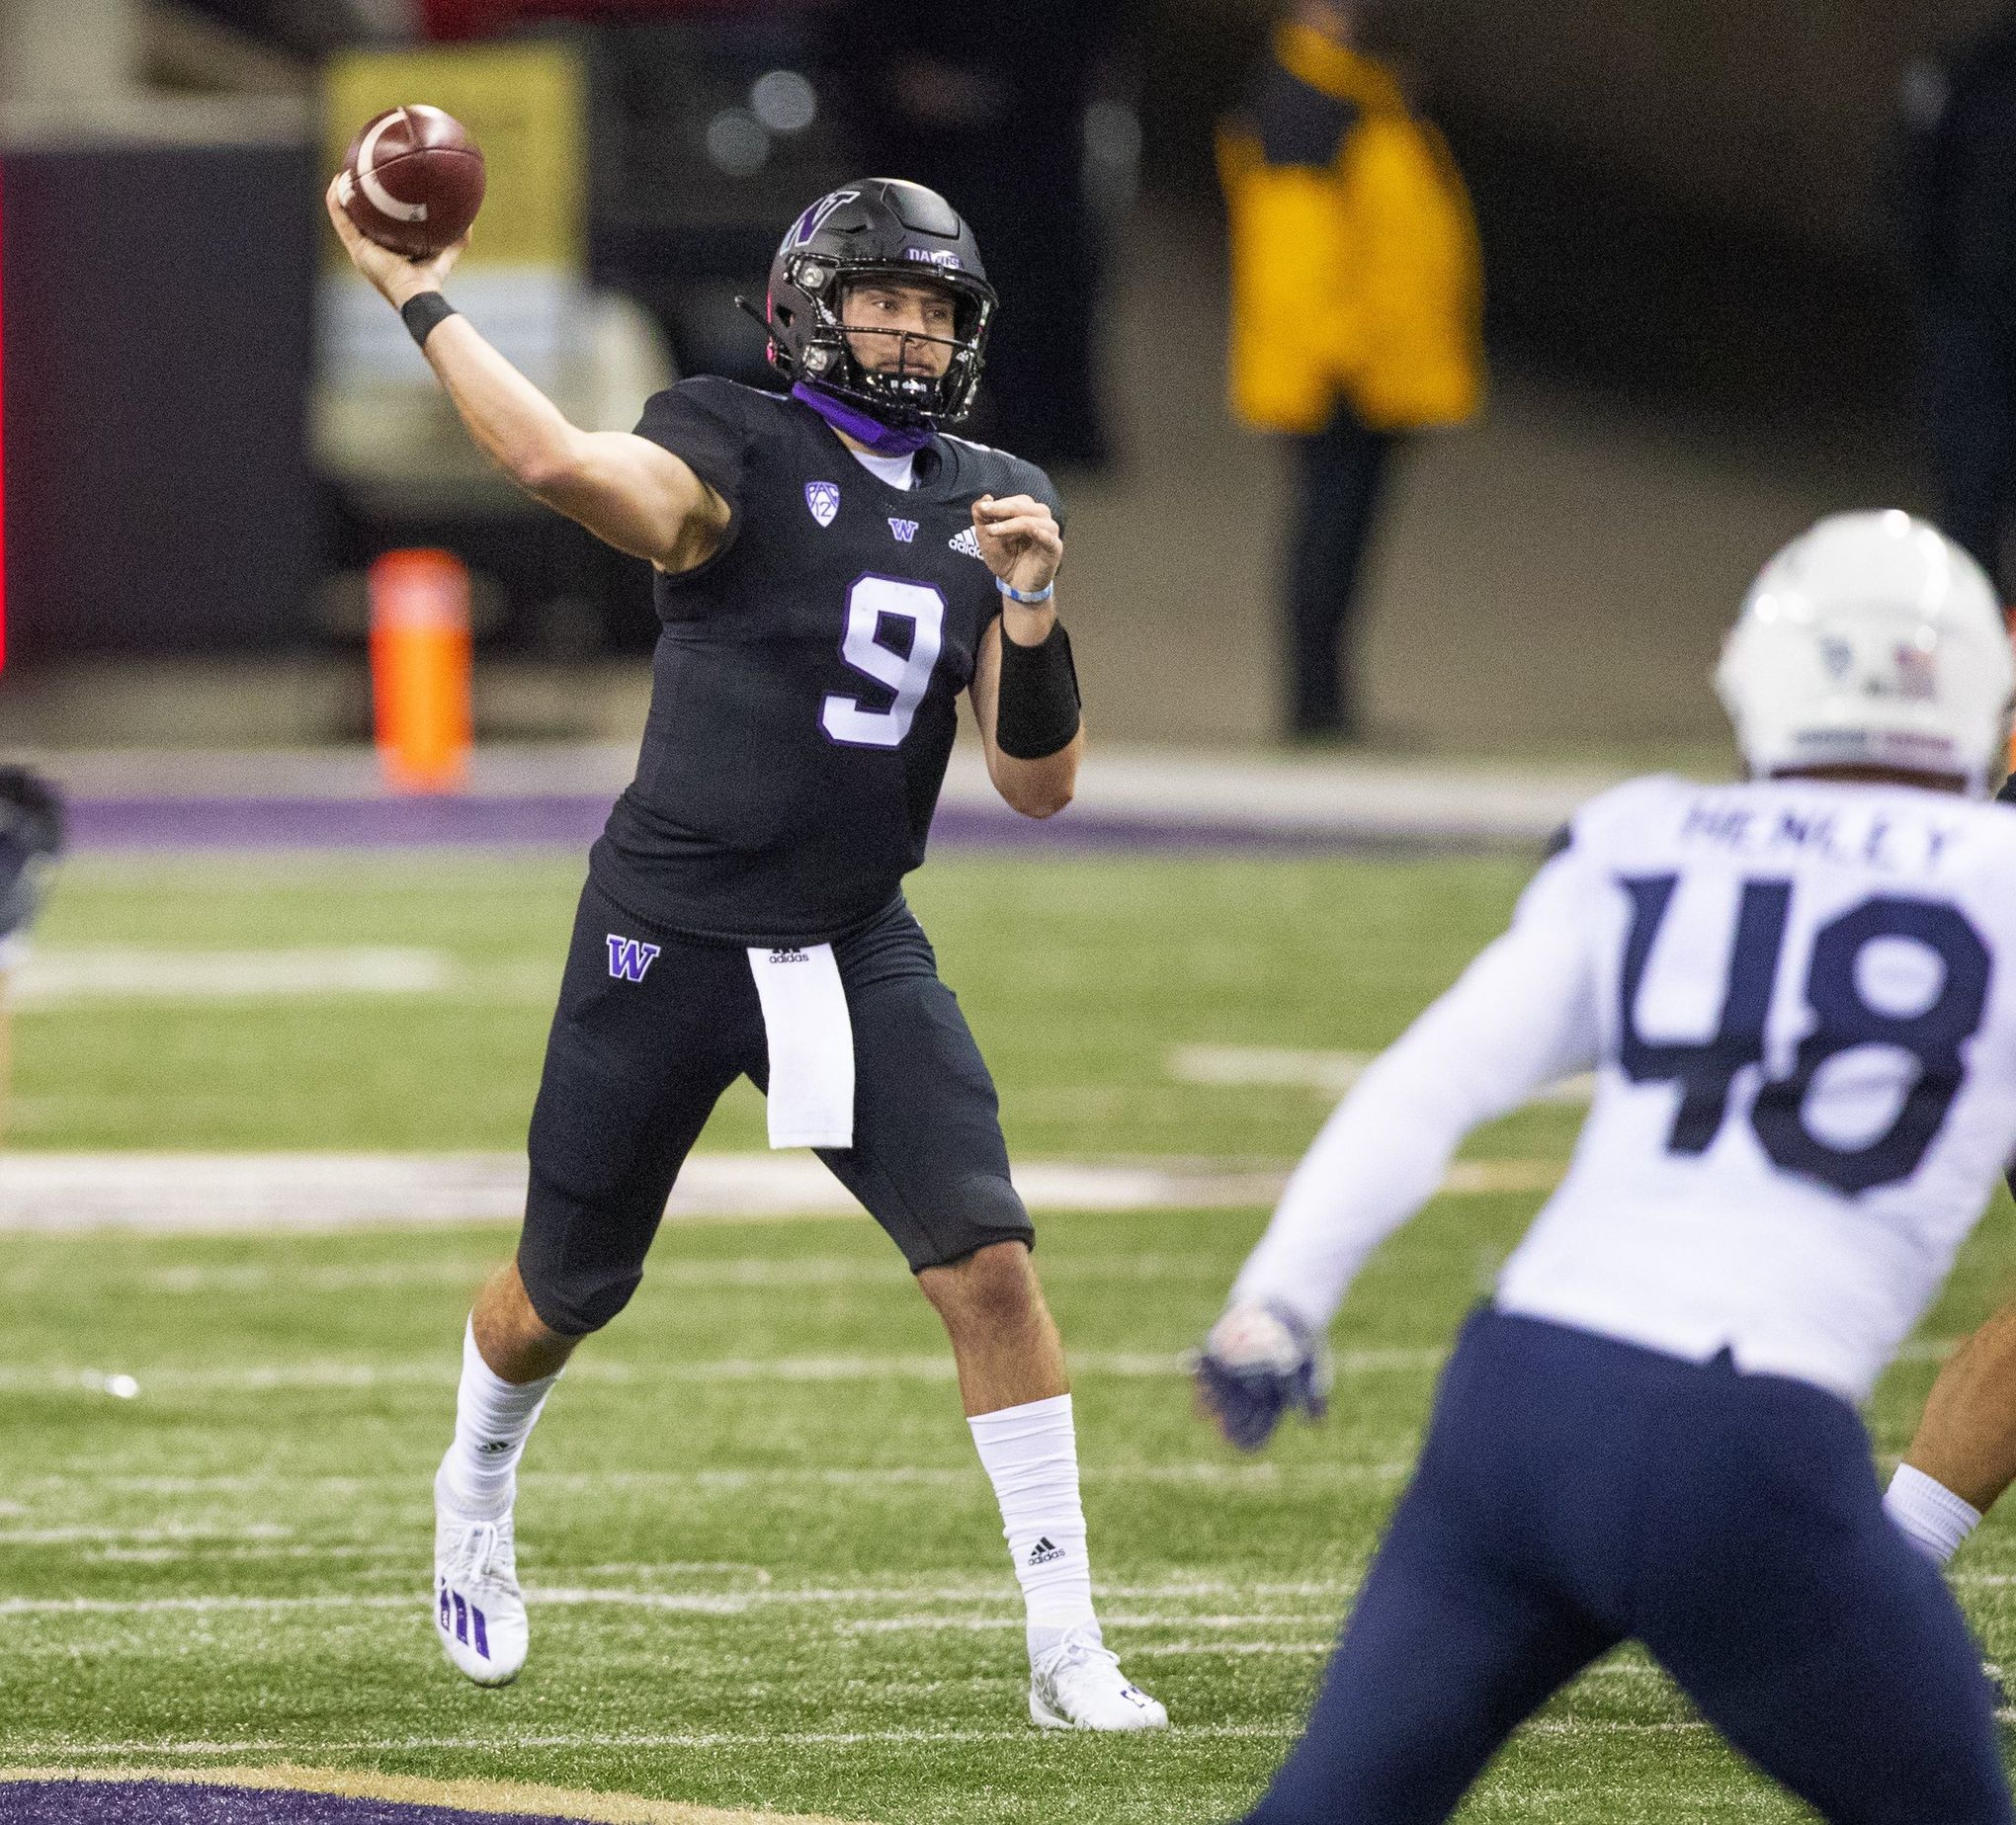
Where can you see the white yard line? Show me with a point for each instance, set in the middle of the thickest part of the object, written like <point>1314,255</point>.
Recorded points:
<point>294,1490</point>
<point>130,1380</point>
<point>58,978</point>
<point>719,1602</point>
<point>1272,1067</point>
<point>506,1742</point>
<point>258,1278</point>
<point>172,1192</point>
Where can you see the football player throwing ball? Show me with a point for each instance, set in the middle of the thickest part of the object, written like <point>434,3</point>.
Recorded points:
<point>833,568</point>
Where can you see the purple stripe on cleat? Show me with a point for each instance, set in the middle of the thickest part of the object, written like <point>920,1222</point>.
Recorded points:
<point>482,1633</point>
<point>462,1619</point>
<point>444,1609</point>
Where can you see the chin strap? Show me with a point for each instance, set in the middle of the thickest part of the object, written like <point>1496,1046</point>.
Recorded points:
<point>844,416</point>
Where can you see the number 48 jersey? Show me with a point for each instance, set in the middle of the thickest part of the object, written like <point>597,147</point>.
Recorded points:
<point>803,690</point>
<point>1800,1002</point>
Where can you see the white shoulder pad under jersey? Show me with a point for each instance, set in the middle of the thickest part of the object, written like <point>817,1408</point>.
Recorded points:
<point>1805,1002</point>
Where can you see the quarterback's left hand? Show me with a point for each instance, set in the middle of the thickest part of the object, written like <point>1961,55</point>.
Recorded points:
<point>1020,538</point>
<point>1258,1361</point>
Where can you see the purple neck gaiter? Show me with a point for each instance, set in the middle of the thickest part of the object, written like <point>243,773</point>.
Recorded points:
<point>858,425</point>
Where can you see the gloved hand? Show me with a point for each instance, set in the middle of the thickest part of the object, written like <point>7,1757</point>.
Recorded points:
<point>1258,1361</point>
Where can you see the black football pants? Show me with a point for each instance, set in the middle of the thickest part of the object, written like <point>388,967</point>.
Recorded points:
<point>640,1051</point>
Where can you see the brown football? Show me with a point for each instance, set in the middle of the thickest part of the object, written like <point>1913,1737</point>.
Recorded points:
<point>412,180</point>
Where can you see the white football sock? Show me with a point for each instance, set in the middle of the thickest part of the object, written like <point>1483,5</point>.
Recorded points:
<point>1031,1455</point>
<point>1933,1518</point>
<point>492,1419</point>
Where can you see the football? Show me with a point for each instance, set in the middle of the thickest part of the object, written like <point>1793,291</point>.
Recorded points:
<point>412,180</point>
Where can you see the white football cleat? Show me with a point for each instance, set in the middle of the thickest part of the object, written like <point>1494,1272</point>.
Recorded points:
<point>1077,1684</point>
<point>478,1609</point>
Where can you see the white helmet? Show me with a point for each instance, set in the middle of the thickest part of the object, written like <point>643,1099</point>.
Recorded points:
<point>1872,641</point>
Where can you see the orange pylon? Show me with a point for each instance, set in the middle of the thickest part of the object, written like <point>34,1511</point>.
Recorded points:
<point>420,670</point>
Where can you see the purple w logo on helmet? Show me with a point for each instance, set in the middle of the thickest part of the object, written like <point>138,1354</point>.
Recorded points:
<point>810,223</point>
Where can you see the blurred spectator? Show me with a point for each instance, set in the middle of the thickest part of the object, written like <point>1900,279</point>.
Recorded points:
<point>993,117</point>
<point>31,835</point>
<point>1960,241</point>
<point>1357,314</point>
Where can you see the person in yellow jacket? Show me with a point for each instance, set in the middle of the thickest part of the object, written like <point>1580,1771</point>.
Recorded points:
<point>1357,312</point>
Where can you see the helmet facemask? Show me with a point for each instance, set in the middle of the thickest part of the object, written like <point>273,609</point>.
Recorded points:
<point>903,394</point>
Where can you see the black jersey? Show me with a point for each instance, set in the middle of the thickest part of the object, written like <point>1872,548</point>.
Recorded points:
<point>803,687</point>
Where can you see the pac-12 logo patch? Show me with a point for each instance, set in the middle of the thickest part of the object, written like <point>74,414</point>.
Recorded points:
<point>904,530</point>
<point>823,498</point>
<point>629,958</point>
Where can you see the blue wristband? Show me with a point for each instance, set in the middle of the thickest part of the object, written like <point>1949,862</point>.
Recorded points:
<point>1030,597</point>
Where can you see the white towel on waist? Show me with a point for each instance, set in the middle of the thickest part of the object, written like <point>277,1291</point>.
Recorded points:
<point>811,1046</point>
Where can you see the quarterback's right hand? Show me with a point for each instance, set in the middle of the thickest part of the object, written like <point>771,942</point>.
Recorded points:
<point>396,276</point>
<point>1258,1361</point>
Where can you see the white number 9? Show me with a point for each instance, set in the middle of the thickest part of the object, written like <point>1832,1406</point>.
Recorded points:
<point>907,675</point>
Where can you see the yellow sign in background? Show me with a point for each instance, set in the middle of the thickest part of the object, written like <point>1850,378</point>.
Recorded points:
<point>522,104</point>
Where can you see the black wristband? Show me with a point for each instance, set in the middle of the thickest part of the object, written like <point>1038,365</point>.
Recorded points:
<point>425,312</point>
<point>1036,713</point>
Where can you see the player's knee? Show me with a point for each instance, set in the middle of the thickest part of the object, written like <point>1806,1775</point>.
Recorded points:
<point>994,1288</point>
<point>571,1303</point>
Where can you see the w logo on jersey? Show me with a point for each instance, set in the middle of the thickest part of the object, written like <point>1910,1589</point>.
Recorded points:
<point>904,530</point>
<point>823,499</point>
<point>628,959</point>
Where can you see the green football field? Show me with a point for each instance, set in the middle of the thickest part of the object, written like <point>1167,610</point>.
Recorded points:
<point>764,1566</point>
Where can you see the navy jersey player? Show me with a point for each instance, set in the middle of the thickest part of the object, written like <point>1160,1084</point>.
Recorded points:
<point>30,837</point>
<point>1799,997</point>
<point>833,569</point>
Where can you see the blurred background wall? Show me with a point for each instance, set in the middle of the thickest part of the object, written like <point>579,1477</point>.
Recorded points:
<point>1696,318</point>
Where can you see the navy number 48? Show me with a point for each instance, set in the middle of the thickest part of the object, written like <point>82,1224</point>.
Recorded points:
<point>1845,1019</point>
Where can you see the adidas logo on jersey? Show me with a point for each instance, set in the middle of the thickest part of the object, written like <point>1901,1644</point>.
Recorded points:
<point>904,530</point>
<point>787,954</point>
<point>967,541</point>
<point>1044,1551</point>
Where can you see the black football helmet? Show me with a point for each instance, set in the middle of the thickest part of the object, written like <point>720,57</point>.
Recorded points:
<point>31,835</point>
<point>887,228</point>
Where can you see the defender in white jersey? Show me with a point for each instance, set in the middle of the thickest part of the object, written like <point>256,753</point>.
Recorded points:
<point>1799,997</point>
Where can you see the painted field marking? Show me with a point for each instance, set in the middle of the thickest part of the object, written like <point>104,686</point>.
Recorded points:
<point>1268,1067</point>
<point>735,1603</point>
<point>366,1602</point>
<point>503,1743</point>
<point>53,977</point>
<point>179,1194</point>
<point>137,1380</point>
<point>639,1739</point>
<point>756,1271</point>
<point>293,1490</point>
<point>474,1797</point>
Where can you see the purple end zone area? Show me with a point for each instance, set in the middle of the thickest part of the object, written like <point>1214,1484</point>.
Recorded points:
<point>573,821</point>
<point>170,1802</point>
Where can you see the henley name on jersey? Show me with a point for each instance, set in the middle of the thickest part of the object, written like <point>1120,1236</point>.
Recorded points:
<point>805,685</point>
<point>1863,834</point>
